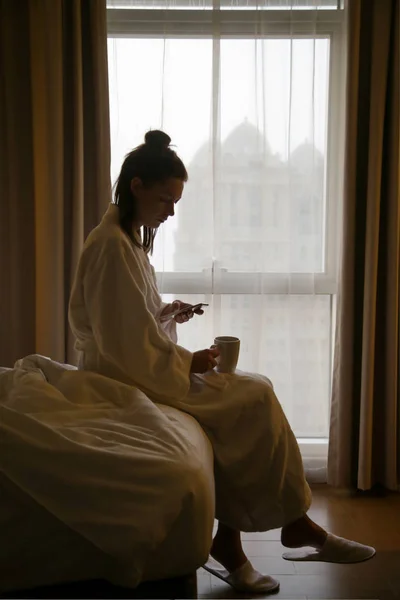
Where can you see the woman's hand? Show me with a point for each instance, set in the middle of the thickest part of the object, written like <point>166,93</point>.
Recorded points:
<point>204,360</point>
<point>188,314</point>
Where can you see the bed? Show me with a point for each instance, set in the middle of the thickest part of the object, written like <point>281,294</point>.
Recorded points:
<point>39,548</point>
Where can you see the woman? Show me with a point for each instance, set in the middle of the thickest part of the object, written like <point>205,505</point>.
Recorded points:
<point>116,315</point>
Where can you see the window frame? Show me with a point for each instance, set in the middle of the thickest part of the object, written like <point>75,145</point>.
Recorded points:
<point>240,23</point>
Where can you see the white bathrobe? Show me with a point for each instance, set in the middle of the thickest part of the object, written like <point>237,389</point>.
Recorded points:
<point>114,314</point>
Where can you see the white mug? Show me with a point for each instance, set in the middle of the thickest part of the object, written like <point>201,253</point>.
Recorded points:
<point>228,347</point>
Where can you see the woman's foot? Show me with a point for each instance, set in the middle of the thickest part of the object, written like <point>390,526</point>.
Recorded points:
<point>303,532</point>
<point>233,567</point>
<point>227,548</point>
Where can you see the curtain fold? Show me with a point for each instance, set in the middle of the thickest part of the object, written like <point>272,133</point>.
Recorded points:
<point>364,432</point>
<point>55,157</point>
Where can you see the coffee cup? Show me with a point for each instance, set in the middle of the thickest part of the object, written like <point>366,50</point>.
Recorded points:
<point>228,347</point>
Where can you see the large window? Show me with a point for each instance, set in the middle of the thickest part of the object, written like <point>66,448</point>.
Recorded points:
<point>250,94</point>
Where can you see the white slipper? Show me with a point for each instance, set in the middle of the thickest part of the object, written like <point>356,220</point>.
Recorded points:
<point>244,579</point>
<point>335,550</point>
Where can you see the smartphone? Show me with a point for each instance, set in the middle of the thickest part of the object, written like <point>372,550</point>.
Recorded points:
<point>183,310</point>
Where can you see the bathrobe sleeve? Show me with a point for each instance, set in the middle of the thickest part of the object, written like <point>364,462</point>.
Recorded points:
<point>115,285</point>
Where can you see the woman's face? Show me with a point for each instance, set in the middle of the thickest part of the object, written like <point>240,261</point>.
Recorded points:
<point>156,203</point>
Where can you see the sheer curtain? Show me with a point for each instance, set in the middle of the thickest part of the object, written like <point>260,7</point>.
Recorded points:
<point>251,95</point>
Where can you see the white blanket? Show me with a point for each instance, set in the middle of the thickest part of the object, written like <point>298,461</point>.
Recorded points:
<point>99,456</point>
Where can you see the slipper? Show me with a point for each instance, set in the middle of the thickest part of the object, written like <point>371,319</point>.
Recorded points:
<point>335,550</point>
<point>243,579</point>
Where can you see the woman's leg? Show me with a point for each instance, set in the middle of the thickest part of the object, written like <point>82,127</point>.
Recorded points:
<point>227,546</point>
<point>271,436</point>
<point>303,532</point>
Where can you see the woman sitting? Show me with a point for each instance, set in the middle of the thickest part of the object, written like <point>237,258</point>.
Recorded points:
<point>116,315</point>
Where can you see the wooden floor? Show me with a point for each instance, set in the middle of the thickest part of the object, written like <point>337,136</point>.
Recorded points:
<point>371,520</point>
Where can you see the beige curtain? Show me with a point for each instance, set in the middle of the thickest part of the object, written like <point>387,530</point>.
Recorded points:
<point>54,163</point>
<point>364,436</point>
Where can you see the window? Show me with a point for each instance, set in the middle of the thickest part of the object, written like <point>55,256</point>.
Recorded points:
<point>233,209</point>
<point>256,205</point>
<point>251,95</point>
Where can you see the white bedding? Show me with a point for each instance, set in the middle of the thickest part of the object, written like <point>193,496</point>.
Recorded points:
<point>97,480</point>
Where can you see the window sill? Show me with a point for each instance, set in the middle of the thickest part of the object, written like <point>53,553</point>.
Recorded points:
<point>314,452</point>
<point>313,447</point>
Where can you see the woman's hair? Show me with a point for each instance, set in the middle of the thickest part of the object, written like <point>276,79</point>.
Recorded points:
<point>152,162</point>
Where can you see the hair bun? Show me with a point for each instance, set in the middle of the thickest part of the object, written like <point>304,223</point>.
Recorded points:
<point>157,139</point>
